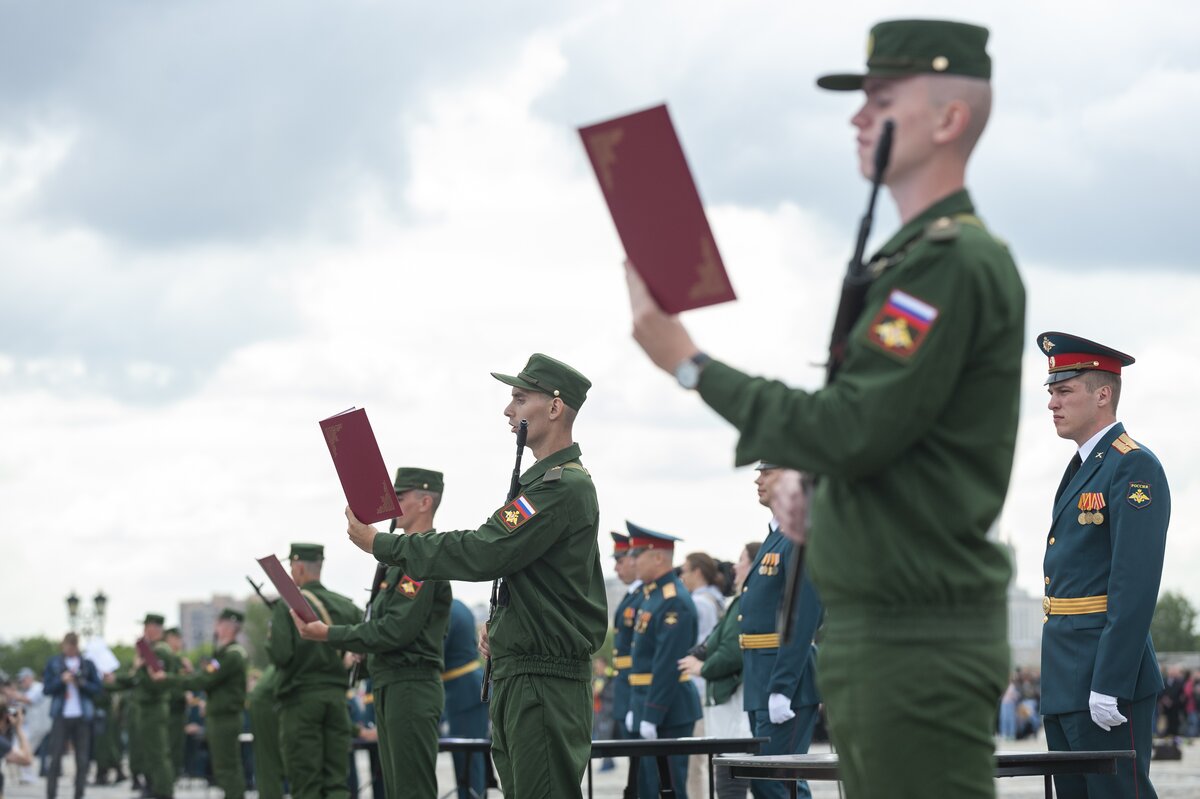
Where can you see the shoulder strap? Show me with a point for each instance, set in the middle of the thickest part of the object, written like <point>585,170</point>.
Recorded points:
<point>318,605</point>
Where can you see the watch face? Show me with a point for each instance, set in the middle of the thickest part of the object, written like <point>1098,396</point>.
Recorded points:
<point>688,374</point>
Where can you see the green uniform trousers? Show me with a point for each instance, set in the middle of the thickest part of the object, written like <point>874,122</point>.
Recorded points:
<point>157,765</point>
<point>407,715</point>
<point>176,737</point>
<point>133,723</point>
<point>912,716</point>
<point>314,729</point>
<point>268,757</point>
<point>541,735</point>
<point>1076,732</point>
<point>225,753</point>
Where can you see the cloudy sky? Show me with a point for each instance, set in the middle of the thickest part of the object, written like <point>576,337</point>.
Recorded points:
<point>221,222</point>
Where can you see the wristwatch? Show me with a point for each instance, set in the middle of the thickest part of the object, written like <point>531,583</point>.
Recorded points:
<point>689,369</point>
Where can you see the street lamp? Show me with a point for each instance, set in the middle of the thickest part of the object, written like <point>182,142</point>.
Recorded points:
<point>86,623</point>
<point>73,610</point>
<point>100,601</point>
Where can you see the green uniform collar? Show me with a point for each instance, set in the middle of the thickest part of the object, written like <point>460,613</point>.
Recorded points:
<point>957,203</point>
<point>537,470</point>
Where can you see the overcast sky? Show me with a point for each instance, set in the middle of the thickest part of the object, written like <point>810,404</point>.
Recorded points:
<point>221,222</point>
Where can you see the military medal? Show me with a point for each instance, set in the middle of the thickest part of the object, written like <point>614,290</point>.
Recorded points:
<point>1090,504</point>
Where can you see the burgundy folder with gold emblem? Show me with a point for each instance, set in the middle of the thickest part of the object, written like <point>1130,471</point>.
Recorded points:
<point>288,592</point>
<point>365,480</point>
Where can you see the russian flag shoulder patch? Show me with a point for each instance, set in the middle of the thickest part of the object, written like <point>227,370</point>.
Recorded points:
<point>516,513</point>
<point>902,325</point>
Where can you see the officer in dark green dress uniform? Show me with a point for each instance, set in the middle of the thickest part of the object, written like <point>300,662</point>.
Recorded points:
<point>465,713</point>
<point>552,614</point>
<point>912,441</point>
<point>314,725</point>
<point>780,680</point>
<point>177,703</point>
<point>624,619</point>
<point>223,680</point>
<point>403,642</point>
<point>264,726</point>
<point>663,702</point>
<point>1104,560</point>
<point>150,696</point>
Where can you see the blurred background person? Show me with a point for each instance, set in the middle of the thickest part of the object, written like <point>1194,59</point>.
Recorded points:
<point>72,683</point>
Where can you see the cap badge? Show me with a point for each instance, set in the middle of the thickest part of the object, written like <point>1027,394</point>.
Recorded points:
<point>941,64</point>
<point>1047,345</point>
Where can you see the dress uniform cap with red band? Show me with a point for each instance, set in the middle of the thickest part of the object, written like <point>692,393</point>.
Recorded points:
<point>620,544</point>
<point>641,538</point>
<point>1070,356</point>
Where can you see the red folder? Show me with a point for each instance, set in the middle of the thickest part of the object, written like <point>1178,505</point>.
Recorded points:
<point>365,480</point>
<point>146,652</point>
<point>287,589</point>
<point>657,210</point>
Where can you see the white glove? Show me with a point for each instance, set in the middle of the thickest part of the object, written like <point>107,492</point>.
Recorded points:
<point>779,708</point>
<point>1104,711</point>
<point>648,731</point>
<point>629,721</point>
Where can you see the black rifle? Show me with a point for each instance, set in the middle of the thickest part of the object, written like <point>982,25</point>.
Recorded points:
<point>380,573</point>
<point>850,307</point>
<point>514,488</point>
<point>270,603</point>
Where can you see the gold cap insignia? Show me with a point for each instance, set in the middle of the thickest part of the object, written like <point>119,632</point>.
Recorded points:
<point>941,64</point>
<point>1047,344</point>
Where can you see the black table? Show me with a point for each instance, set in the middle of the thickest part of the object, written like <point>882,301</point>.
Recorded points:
<point>660,750</point>
<point>1008,764</point>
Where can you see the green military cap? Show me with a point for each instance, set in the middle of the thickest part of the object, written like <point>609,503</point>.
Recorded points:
<point>173,631</point>
<point>410,477</point>
<point>903,47</point>
<point>309,553</point>
<point>154,618</point>
<point>232,615</point>
<point>548,376</point>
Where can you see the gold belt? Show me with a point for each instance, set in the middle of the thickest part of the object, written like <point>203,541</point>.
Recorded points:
<point>759,641</point>
<point>1073,606</point>
<point>646,678</point>
<point>458,671</point>
<point>622,662</point>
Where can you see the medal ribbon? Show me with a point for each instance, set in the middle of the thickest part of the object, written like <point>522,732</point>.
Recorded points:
<point>1091,501</point>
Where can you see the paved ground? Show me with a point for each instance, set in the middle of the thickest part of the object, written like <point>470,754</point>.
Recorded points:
<point>1178,779</point>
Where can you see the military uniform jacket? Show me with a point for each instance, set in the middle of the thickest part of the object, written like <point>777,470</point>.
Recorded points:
<point>1119,555</point>
<point>223,679</point>
<point>305,665</point>
<point>789,670</point>
<point>463,677</point>
<point>913,438</point>
<point>146,691</point>
<point>665,630</point>
<point>544,544</point>
<point>403,638</point>
<point>624,620</point>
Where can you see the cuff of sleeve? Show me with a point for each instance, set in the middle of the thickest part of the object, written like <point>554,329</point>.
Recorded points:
<point>720,385</point>
<point>383,545</point>
<point>337,633</point>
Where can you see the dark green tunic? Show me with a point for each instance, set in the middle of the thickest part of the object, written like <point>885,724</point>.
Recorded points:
<point>544,544</point>
<point>223,679</point>
<point>913,442</point>
<point>150,698</point>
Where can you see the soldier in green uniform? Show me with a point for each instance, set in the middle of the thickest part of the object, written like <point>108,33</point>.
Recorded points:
<point>1104,561</point>
<point>150,696</point>
<point>177,701</point>
<point>551,618</point>
<point>912,440</point>
<point>403,642</point>
<point>223,679</point>
<point>264,726</point>
<point>314,724</point>
<point>106,747</point>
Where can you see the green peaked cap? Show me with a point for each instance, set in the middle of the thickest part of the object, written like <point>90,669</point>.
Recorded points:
<point>155,618</point>
<point>309,553</point>
<point>410,477</point>
<point>233,615</point>
<point>903,47</point>
<point>548,376</point>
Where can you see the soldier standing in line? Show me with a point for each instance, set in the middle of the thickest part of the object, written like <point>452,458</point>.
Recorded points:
<point>624,619</point>
<point>780,680</point>
<point>403,643</point>
<point>150,696</point>
<point>177,701</point>
<point>663,702</point>
<point>912,440</point>
<point>314,724</point>
<point>551,615</point>
<point>264,725</point>
<point>465,713</point>
<point>1103,565</point>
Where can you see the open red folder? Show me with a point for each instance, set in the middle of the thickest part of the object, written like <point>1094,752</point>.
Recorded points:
<point>288,591</point>
<point>657,210</point>
<point>365,480</point>
<point>146,653</point>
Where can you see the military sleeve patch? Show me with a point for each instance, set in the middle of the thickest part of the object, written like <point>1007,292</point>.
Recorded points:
<point>902,325</point>
<point>408,586</point>
<point>1139,495</point>
<point>669,591</point>
<point>516,513</point>
<point>671,619</point>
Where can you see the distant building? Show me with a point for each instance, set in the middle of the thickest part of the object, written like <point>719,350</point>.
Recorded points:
<point>196,619</point>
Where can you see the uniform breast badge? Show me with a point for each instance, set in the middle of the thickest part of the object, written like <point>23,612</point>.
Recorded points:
<point>1090,505</point>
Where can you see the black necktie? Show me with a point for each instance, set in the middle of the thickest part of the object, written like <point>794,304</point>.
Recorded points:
<point>1073,466</point>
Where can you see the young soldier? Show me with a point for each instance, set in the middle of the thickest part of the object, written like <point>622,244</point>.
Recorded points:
<point>912,441</point>
<point>150,697</point>
<point>551,618</point>
<point>1104,560</point>
<point>403,643</point>
<point>623,621</point>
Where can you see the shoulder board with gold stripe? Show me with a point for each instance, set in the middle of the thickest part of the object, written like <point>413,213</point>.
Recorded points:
<point>1124,444</point>
<point>669,591</point>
